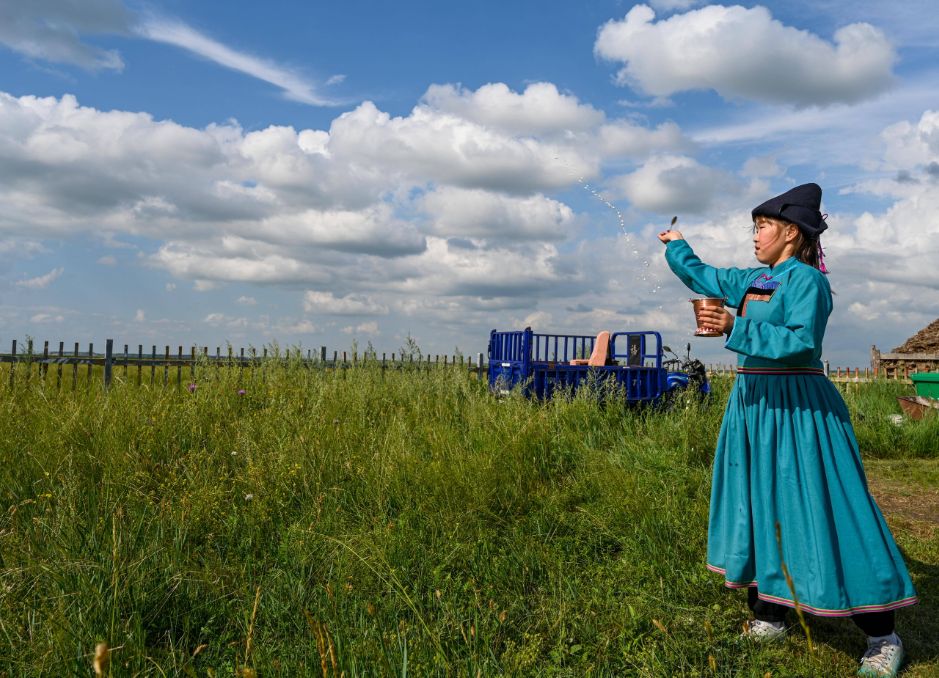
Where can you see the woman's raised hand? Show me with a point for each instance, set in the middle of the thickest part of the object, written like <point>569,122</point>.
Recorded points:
<point>670,235</point>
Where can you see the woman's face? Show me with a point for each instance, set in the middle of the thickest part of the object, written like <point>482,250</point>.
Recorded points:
<point>770,238</point>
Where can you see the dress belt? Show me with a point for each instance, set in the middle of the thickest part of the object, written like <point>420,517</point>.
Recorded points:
<point>781,370</point>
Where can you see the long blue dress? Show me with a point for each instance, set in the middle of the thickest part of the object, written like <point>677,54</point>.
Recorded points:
<point>787,453</point>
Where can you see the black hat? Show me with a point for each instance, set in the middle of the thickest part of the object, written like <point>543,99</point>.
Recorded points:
<point>798,205</point>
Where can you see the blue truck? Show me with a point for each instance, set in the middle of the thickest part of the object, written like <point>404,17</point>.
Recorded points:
<point>633,362</point>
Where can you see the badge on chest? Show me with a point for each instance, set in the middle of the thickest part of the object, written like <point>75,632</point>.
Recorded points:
<point>761,289</point>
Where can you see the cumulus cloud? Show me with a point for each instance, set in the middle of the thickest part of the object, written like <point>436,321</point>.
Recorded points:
<point>765,166</point>
<point>40,283</point>
<point>246,301</point>
<point>540,109</point>
<point>107,260</point>
<point>312,207</point>
<point>351,304</point>
<point>299,327</point>
<point>746,54</point>
<point>483,214</point>
<point>676,184</point>
<point>444,213</point>
<point>220,319</point>
<point>367,328</point>
<point>435,145</point>
<point>52,30</point>
<point>141,316</point>
<point>909,144</point>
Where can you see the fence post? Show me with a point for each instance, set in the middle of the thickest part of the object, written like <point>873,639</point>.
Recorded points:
<point>125,363</point>
<point>75,369</point>
<point>179,369</point>
<point>153,366</point>
<point>45,366</point>
<point>108,357</point>
<point>13,364</point>
<point>29,361</point>
<point>139,362</point>
<point>58,381</point>
<point>479,365</point>
<point>323,357</point>
<point>166,367</point>
<point>91,356</point>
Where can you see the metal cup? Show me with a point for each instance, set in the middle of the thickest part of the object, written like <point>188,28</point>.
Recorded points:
<point>710,302</point>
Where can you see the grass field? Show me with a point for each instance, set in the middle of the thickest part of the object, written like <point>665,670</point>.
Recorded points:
<point>410,523</point>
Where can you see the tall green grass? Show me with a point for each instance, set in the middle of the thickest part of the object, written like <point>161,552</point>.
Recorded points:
<point>409,519</point>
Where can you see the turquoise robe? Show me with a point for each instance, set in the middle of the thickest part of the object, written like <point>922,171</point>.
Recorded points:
<point>787,453</point>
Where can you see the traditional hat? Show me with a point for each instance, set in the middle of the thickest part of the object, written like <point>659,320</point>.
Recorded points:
<point>800,205</point>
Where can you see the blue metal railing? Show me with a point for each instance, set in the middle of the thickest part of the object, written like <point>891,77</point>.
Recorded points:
<point>542,363</point>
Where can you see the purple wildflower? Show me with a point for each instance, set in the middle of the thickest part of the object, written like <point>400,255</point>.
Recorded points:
<point>192,387</point>
<point>241,392</point>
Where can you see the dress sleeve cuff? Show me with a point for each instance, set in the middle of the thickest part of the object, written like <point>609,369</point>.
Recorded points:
<point>738,321</point>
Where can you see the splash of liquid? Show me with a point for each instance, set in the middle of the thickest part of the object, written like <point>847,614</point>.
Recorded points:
<point>622,223</point>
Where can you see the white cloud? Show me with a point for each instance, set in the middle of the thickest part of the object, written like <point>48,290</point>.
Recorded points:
<point>367,328</point>
<point>910,144</point>
<point>107,260</point>
<point>170,287</point>
<point>46,318</point>
<point>301,327</point>
<point>676,184</point>
<point>483,214</point>
<point>51,30</point>
<point>745,53</point>
<point>40,283</point>
<point>173,32</point>
<point>218,319</point>
<point>765,166</point>
<point>620,138</point>
<point>430,145</point>
<point>540,109</point>
<point>141,316</point>
<point>246,301</point>
<point>351,304</point>
<point>446,201</point>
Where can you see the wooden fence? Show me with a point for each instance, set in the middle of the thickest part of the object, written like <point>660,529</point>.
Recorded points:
<point>905,363</point>
<point>838,374</point>
<point>202,360</point>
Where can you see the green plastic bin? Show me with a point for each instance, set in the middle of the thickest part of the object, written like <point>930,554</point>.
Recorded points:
<point>927,385</point>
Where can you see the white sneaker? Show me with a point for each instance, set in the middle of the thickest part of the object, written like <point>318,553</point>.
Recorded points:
<point>882,659</point>
<point>763,632</point>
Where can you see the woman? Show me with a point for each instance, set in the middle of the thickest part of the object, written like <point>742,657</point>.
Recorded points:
<point>787,451</point>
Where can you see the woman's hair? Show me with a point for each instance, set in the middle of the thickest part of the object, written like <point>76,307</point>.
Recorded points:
<point>806,249</point>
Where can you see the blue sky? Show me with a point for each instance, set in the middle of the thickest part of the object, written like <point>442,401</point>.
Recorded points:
<point>182,173</point>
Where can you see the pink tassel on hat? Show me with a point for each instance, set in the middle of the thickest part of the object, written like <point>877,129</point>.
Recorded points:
<point>821,258</point>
